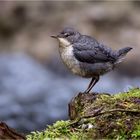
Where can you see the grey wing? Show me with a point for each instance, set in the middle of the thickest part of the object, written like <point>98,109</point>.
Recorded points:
<point>94,54</point>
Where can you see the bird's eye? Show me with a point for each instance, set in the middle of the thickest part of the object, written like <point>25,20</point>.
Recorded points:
<point>66,34</point>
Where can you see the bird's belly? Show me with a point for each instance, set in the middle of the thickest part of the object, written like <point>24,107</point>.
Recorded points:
<point>96,69</point>
<point>80,68</point>
<point>70,61</point>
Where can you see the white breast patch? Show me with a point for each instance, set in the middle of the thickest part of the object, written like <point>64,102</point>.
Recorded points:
<point>66,53</point>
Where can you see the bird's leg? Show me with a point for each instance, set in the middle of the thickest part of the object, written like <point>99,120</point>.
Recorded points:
<point>92,84</point>
<point>92,80</point>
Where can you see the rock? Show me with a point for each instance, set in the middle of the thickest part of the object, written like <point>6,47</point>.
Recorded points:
<point>8,133</point>
<point>98,116</point>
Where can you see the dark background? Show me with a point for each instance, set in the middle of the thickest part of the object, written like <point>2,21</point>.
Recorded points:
<point>35,87</point>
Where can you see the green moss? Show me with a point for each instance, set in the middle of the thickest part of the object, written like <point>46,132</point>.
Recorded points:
<point>60,130</point>
<point>98,116</point>
<point>132,93</point>
<point>136,132</point>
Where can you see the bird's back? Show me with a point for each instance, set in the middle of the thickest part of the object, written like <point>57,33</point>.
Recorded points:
<point>87,42</point>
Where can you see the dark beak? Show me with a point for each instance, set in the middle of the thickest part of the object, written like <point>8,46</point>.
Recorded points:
<point>53,36</point>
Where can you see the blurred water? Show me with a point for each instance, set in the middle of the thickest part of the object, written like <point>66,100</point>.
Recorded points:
<point>32,96</point>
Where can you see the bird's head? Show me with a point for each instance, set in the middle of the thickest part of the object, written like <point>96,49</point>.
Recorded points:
<point>67,36</point>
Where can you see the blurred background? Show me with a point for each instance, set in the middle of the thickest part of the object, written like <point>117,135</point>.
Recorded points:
<point>35,87</point>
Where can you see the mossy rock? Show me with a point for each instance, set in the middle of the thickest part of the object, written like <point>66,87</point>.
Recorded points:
<point>98,116</point>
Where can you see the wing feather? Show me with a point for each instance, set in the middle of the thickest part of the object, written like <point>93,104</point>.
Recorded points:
<point>91,51</point>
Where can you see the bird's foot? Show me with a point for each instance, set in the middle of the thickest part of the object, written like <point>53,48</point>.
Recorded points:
<point>86,92</point>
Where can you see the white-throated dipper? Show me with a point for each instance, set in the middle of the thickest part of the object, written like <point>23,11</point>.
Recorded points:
<point>86,57</point>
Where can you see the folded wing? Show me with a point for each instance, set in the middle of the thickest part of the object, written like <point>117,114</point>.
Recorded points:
<point>93,53</point>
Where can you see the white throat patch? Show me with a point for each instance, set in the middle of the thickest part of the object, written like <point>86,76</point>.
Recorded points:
<point>64,42</point>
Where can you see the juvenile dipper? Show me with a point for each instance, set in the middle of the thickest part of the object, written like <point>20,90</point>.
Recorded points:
<point>86,57</point>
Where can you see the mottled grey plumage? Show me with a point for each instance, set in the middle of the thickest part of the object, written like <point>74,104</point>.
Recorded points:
<point>86,57</point>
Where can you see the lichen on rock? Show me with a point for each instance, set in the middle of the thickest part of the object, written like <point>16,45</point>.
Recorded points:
<point>98,116</point>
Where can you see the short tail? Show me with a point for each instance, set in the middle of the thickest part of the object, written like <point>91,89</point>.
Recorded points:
<point>122,53</point>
